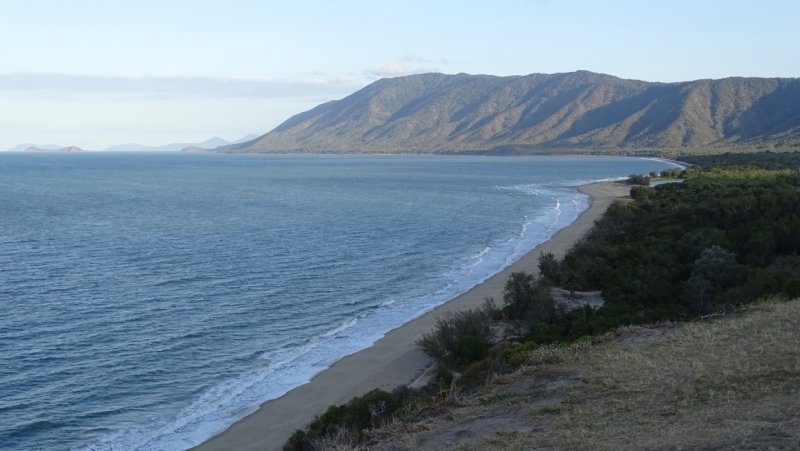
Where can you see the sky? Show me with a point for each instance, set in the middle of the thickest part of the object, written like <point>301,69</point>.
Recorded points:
<point>98,73</point>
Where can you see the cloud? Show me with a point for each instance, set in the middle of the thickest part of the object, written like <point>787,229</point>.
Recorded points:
<point>167,87</point>
<point>414,59</point>
<point>395,69</point>
<point>406,65</point>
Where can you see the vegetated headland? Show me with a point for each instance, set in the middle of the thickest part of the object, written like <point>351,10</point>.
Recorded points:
<point>671,324</point>
<point>576,112</point>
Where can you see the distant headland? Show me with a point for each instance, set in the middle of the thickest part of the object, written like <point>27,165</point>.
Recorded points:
<point>60,149</point>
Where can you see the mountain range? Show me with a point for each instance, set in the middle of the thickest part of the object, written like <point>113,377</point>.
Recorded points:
<point>53,149</point>
<point>41,147</point>
<point>581,111</point>
<point>171,147</point>
<point>135,147</point>
<point>210,143</point>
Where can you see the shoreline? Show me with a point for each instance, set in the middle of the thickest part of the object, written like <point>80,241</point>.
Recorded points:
<point>394,359</point>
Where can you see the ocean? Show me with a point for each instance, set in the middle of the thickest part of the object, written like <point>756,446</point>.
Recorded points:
<point>148,301</point>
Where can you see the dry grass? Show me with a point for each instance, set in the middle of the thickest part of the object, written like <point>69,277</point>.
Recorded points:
<point>341,441</point>
<point>731,383</point>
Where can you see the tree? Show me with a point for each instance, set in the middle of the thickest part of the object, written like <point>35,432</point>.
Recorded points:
<point>641,194</point>
<point>461,337</point>
<point>549,269</point>
<point>527,301</point>
<point>714,271</point>
<point>637,179</point>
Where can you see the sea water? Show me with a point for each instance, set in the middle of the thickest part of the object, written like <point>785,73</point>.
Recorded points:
<point>148,301</point>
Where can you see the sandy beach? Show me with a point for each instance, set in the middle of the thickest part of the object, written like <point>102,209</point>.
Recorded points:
<point>394,359</point>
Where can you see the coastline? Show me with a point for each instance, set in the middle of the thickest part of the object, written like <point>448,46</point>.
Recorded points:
<point>394,359</point>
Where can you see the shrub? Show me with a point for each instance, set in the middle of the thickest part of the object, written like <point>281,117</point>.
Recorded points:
<point>518,354</point>
<point>460,338</point>
<point>792,289</point>
<point>550,269</point>
<point>638,179</point>
<point>714,271</point>
<point>298,441</point>
<point>526,301</point>
<point>443,377</point>
<point>360,413</point>
<point>476,374</point>
<point>641,194</point>
<point>673,173</point>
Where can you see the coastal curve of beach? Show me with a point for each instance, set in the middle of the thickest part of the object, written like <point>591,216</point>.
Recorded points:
<point>393,360</point>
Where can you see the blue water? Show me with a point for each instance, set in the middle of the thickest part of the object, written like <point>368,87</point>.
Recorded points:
<point>150,300</point>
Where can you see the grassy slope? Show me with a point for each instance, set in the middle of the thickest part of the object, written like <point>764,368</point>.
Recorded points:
<point>731,383</point>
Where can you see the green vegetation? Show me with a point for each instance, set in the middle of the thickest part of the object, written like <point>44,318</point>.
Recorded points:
<point>764,160</point>
<point>462,337</point>
<point>636,179</point>
<point>721,238</point>
<point>527,303</point>
<point>730,383</point>
<point>725,237</point>
<point>351,419</point>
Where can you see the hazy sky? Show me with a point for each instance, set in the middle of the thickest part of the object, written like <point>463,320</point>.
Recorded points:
<point>96,73</point>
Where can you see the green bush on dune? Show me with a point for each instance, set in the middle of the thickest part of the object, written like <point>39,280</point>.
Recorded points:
<point>460,338</point>
<point>351,419</point>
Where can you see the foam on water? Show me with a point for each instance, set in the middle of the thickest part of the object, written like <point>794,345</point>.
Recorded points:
<point>234,399</point>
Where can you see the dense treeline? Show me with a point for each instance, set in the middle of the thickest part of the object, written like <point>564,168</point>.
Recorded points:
<point>764,160</point>
<point>727,235</point>
<point>722,237</point>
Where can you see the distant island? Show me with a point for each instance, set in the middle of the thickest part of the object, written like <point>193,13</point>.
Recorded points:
<point>192,149</point>
<point>210,143</point>
<point>203,146</point>
<point>539,113</point>
<point>60,149</point>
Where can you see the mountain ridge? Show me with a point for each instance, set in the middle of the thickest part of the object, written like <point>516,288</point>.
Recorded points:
<point>208,144</point>
<point>579,111</point>
<point>171,147</point>
<point>22,147</point>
